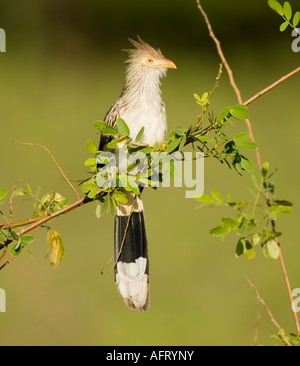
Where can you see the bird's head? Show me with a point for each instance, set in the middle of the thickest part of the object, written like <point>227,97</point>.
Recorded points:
<point>146,58</point>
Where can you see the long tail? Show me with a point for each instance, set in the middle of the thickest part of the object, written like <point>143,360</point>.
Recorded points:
<point>131,253</point>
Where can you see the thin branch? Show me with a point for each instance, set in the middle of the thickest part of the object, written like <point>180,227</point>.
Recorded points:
<point>239,98</point>
<point>3,254</point>
<point>281,331</point>
<point>199,118</point>
<point>55,162</point>
<point>49,217</point>
<point>7,262</point>
<point>5,218</point>
<point>257,321</point>
<point>220,52</point>
<point>230,73</point>
<point>216,84</point>
<point>21,223</point>
<point>272,86</point>
<point>288,285</point>
<point>254,98</point>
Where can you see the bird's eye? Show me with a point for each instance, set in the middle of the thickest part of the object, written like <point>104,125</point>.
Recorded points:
<point>149,60</point>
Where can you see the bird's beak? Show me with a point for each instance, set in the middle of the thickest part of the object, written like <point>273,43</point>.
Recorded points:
<point>166,63</point>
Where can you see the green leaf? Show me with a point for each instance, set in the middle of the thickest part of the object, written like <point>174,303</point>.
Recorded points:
<point>171,135</point>
<point>113,144</point>
<point>123,180</point>
<point>62,248</point>
<point>275,5</point>
<point>180,130</point>
<point>140,134</point>
<point>26,239</point>
<point>121,197</point>
<point>100,125</point>
<point>28,188</point>
<point>105,206</point>
<point>229,198</point>
<point>249,145</point>
<point>16,249</point>
<point>229,221</point>
<point>224,113</point>
<point>14,235</point>
<point>147,150</point>
<point>98,211</point>
<point>220,230</point>
<point>239,111</point>
<point>91,146</point>
<point>3,193</point>
<point>122,127</point>
<point>242,136</point>
<point>265,169</point>
<point>287,10</point>
<point>277,210</point>
<point>249,250</point>
<point>172,145</point>
<point>90,189</point>
<point>246,164</point>
<point>30,254</point>
<point>256,239</point>
<point>90,161</point>
<point>283,203</point>
<point>240,247</point>
<point>182,142</point>
<point>204,97</point>
<point>271,249</point>
<point>205,199</point>
<point>20,192</point>
<point>92,193</point>
<point>111,206</point>
<point>217,196</point>
<point>296,19</point>
<point>204,138</point>
<point>283,26</point>
<point>132,184</point>
<point>196,96</point>
<point>105,128</point>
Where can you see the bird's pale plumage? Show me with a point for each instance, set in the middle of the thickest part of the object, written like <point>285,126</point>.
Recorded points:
<point>139,105</point>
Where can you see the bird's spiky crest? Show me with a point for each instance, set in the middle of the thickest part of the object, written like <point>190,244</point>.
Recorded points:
<point>142,49</point>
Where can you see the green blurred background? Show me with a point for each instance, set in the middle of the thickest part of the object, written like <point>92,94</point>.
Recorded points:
<point>62,70</point>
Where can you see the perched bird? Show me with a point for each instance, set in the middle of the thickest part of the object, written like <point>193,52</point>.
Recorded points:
<point>139,105</point>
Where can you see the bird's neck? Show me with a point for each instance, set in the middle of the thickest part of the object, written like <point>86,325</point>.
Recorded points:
<point>143,87</point>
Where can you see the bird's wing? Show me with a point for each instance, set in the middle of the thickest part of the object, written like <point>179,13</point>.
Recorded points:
<point>111,119</point>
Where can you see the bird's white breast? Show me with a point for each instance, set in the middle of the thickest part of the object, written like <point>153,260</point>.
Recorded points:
<point>145,108</point>
<point>154,121</point>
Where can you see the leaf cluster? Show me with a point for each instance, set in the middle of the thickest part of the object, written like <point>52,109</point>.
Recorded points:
<point>252,222</point>
<point>285,11</point>
<point>43,205</point>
